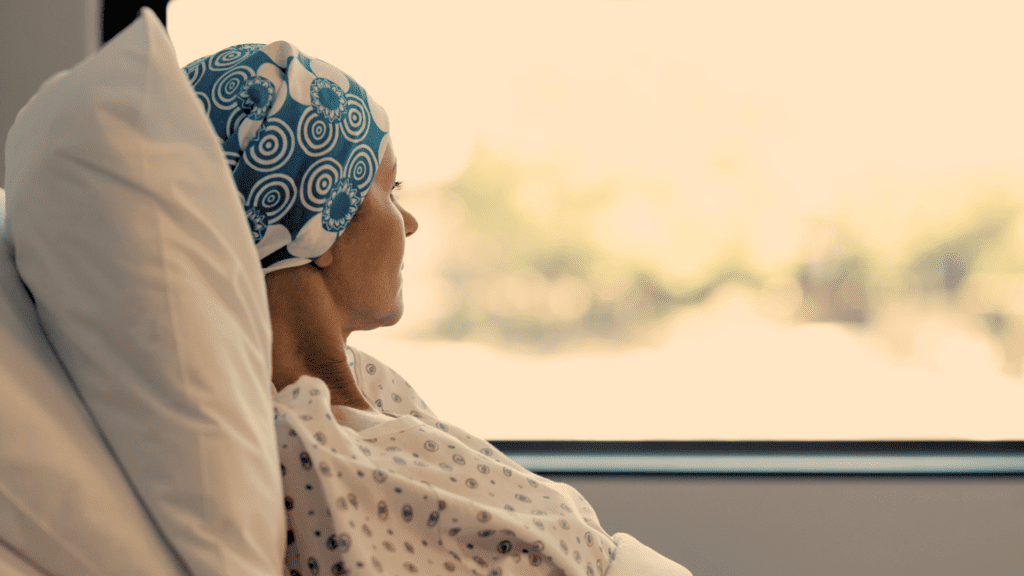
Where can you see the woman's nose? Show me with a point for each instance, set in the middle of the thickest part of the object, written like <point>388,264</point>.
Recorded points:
<point>411,224</point>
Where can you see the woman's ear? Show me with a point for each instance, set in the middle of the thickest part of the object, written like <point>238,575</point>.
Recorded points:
<point>324,260</point>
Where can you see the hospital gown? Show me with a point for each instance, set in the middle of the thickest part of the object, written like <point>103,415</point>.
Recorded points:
<point>394,490</point>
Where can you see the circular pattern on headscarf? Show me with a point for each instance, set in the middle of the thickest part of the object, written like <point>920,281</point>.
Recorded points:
<point>328,99</point>
<point>233,121</point>
<point>357,117</point>
<point>361,166</point>
<point>232,159</point>
<point>302,139</point>
<point>273,146</point>
<point>340,205</point>
<point>317,136</point>
<point>257,222</point>
<point>318,182</point>
<point>274,195</point>
<point>194,71</point>
<point>255,96</point>
<point>230,56</point>
<point>205,101</point>
<point>226,89</point>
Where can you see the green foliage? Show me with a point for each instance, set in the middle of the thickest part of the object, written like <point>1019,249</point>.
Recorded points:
<point>531,272</point>
<point>531,266</point>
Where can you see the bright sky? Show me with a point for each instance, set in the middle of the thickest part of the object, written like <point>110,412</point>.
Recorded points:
<point>760,114</point>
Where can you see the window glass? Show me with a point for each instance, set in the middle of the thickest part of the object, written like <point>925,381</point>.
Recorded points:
<point>719,220</point>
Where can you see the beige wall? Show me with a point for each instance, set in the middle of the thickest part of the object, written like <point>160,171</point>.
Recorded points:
<point>38,38</point>
<point>819,526</point>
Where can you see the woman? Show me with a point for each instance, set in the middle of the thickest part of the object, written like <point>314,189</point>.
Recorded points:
<point>372,477</point>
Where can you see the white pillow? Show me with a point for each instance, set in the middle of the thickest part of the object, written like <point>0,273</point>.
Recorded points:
<point>65,508</point>
<point>129,233</point>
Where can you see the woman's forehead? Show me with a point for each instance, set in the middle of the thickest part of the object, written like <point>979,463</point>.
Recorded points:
<point>388,161</point>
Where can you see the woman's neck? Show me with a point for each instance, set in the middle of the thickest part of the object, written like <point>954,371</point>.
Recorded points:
<point>291,363</point>
<point>307,340</point>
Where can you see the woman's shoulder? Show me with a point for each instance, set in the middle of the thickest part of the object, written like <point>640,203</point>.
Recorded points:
<point>385,388</point>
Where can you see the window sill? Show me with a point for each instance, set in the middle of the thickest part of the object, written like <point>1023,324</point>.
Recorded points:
<point>769,458</point>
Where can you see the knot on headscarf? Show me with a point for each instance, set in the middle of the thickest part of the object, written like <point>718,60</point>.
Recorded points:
<point>302,139</point>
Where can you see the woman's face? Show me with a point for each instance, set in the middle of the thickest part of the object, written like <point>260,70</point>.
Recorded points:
<point>363,268</point>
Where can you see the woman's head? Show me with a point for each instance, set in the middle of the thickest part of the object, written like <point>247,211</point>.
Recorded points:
<point>303,140</point>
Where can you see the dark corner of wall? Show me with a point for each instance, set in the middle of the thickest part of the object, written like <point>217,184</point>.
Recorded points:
<point>117,15</point>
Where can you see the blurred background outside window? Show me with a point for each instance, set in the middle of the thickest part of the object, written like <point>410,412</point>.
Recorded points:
<point>680,220</point>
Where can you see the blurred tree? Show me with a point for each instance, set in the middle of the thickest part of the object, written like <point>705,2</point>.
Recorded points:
<point>531,266</point>
<point>529,270</point>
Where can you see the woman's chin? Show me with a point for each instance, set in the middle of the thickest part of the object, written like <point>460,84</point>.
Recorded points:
<point>399,311</point>
<point>393,315</point>
<point>391,320</point>
<point>382,314</point>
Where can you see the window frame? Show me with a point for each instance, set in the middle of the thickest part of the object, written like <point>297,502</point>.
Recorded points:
<point>776,458</point>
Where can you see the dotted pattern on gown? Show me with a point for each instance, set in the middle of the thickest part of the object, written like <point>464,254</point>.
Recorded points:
<point>400,492</point>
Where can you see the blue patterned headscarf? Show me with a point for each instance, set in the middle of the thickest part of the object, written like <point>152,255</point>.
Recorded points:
<point>301,138</point>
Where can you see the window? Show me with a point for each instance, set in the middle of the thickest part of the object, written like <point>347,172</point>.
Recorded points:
<point>733,220</point>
